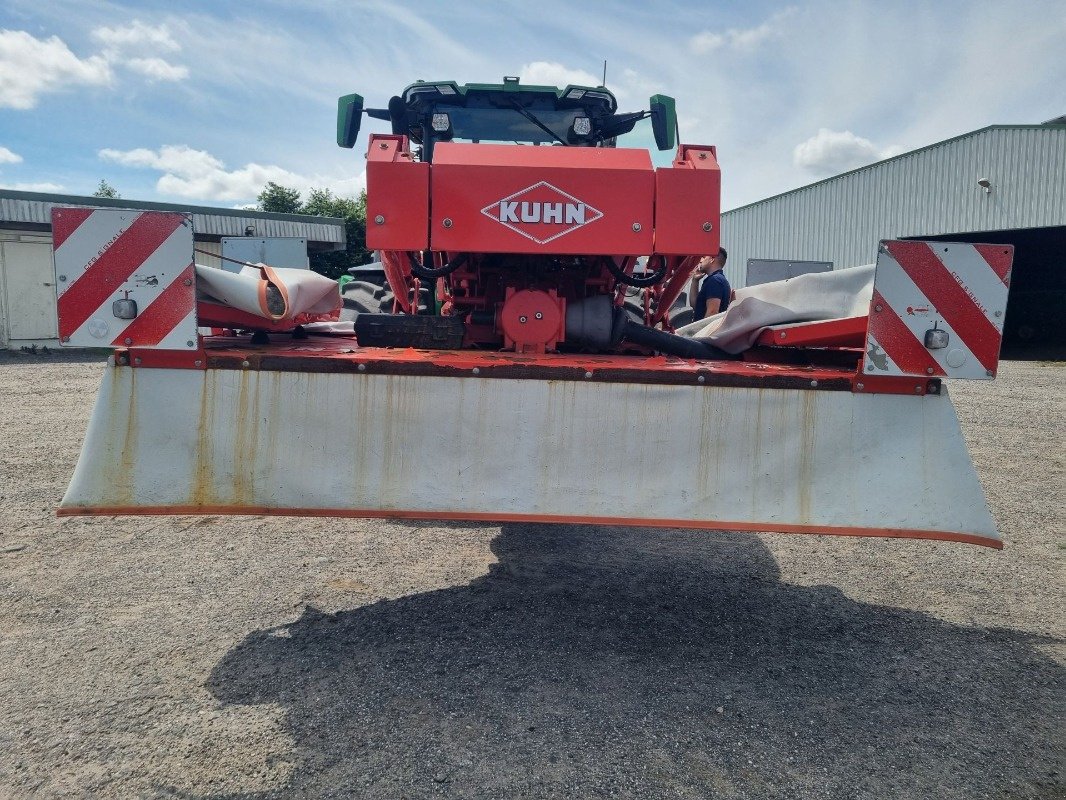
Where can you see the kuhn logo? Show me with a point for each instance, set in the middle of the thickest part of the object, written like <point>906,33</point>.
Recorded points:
<point>542,212</point>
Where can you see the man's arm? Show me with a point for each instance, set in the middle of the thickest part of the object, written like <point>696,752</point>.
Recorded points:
<point>713,304</point>
<point>694,284</point>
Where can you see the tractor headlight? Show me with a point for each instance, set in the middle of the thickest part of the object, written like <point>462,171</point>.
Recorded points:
<point>582,126</point>
<point>575,94</point>
<point>441,123</point>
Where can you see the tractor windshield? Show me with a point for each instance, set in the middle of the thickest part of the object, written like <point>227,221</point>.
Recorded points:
<point>509,124</point>
<point>503,113</point>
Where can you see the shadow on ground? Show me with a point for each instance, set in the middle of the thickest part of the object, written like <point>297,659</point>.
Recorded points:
<point>641,663</point>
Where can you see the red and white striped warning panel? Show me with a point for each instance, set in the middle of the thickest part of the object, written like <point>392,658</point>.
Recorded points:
<point>124,278</point>
<point>938,309</point>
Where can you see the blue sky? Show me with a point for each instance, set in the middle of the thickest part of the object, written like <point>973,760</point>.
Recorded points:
<point>202,102</point>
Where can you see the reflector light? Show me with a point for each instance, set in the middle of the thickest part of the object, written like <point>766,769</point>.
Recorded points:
<point>441,123</point>
<point>575,94</point>
<point>444,88</point>
<point>582,126</point>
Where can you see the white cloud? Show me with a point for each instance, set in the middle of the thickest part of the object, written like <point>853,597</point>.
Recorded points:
<point>136,46</point>
<point>137,33</point>
<point>30,67</point>
<point>196,174</point>
<point>33,187</point>
<point>8,157</point>
<point>552,73</point>
<point>157,69</point>
<point>740,38</point>
<point>831,152</point>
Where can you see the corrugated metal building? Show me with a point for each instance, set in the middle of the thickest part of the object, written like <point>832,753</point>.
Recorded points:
<point>27,291</point>
<point>934,192</point>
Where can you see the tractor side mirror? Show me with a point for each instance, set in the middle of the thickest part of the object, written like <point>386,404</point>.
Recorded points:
<point>349,115</point>
<point>663,121</point>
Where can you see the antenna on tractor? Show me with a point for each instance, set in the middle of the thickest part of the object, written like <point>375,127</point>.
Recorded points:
<point>604,84</point>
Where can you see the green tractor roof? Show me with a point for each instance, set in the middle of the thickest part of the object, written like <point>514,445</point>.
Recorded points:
<point>436,91</point>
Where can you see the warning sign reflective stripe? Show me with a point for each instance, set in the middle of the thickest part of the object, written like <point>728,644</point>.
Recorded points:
<point>144,259</point>
<point>161,316</point>
<point>937,290</point>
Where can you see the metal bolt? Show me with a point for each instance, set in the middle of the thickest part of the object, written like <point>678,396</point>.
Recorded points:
<point>782,334</point>
<point>447,223</point>
<point>703,156</point>
<point>379,219</point>
<point>708,227</point>
<point>187,282</point>
<point>636,227</point>
<point>989,373</point>
<point>361,368</point>
<point>929,370</point>
<point>190,343</point>
<point>878,308</point>
<point>122,361</point>
<point>127,340</point>
<point>65,339</point>
<point>869,367</point>
<point>917,389</point>
<point>997,314</point>
<point>522,319</point>
<point>860,386</point>
<point>245,364</point>
<point>701,379</point>
<point>384,145</point>
<point>198,363</point>
<point>538,315</point>
<point>137,361</point>
<point>476,371</point>
<point>588,374</point>
<point>62,278</point>
<point>814,384</point>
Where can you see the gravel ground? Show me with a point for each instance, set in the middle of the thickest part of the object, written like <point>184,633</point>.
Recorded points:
<point>261,657</point>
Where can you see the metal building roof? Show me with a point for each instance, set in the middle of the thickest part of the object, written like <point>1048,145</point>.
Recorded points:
<point>926,192</point>
<point>33,208</point>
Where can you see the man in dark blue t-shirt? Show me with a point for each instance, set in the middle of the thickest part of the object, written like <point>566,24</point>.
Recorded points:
<point>713,296</point>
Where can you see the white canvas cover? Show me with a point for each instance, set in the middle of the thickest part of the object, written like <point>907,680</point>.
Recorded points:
<point>299,291</point>
<point>839,294</point>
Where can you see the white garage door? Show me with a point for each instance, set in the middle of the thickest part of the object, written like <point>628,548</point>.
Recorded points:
<point>29,280</point>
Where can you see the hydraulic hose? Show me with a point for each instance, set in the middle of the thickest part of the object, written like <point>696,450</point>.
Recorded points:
<point>671,343</point>
<point>640,283</point>
<point>432,273</point>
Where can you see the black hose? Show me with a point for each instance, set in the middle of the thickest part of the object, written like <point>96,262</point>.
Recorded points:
<point>431,273</point>
<point>671,343</point>
<point>640,283</point>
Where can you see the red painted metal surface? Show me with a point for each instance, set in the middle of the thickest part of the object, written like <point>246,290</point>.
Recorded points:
<point>343,354</point>
<point>555,200</point>
<point>848,332</point>
<point>532,321</point>
<point>397,198</point>
<point>210,314</point>
<point>503,517</point>
<point>688,203</point>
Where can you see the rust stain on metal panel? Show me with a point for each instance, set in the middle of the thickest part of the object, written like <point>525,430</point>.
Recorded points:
<point>123,481</point>
<point>203,478</point>
<point>808,441</point>
<point>246,439</point>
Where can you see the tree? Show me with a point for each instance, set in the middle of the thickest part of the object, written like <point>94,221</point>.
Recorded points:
<point>279,199</point>
<point>323,203</point>
<point>105,189</point>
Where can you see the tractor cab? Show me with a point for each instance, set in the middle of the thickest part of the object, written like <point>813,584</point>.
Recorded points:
<point>506,113</point>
